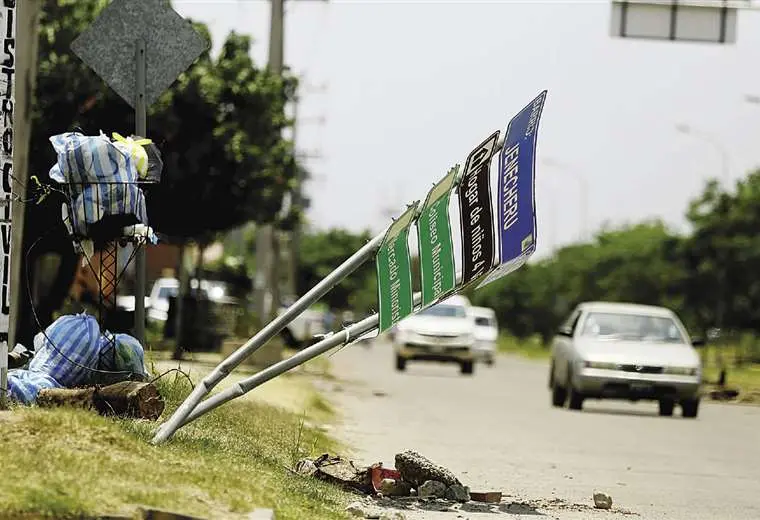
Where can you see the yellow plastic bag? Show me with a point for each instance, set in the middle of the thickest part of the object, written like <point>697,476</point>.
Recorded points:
<point>136,151</point>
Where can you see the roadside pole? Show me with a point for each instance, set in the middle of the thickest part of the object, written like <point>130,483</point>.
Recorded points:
<point>8,79</point>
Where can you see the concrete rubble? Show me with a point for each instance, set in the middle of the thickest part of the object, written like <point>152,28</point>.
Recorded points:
<point>602,501</point>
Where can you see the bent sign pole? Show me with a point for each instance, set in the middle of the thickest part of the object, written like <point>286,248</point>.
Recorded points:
<point>179,417</point>
<point>343,337</point>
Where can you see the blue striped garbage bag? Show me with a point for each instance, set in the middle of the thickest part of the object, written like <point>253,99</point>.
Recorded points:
<point>85,159</point>
<point>98,201</point>
<point>101,175</point>
<point>25,385</point>
<point>68,351</point>
<point>122,353</point>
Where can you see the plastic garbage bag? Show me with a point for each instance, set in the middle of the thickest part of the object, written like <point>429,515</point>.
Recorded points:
<point>25,385</point>
<point>68,350</point>
<point>122,353</point>
<point>99,201</point>
<point>85,159</point>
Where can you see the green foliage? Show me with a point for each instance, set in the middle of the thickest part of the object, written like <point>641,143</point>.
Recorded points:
<point>321,253</point>
<point>219,127</point>
<point>709,277</point>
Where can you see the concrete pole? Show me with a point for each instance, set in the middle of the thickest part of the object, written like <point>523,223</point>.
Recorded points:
<point>265,234</point>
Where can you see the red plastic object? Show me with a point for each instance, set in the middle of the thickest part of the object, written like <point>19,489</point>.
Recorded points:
<point>379,473</point>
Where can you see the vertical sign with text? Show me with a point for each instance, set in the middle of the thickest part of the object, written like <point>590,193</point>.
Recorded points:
<point>7,98</point>
<point>437,270</point>
<point>475,212</point>
<point>517,194</point>
<point>394,272</point>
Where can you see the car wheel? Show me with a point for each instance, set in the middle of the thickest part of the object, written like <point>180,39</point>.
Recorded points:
<point>467,367</point>
<point>489,362</point>
<point>559,396</point>
<point>400,363</point>
<point>666,407</point>
<point>690,408</point>
<point>576,400</point>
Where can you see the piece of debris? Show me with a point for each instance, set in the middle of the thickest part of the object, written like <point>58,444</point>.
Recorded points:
<point>392,515</point>
<point>602,501</point>
<point>724,394</point>
<point>379,473</point>
<point>431,489</point>
<point>488,497</point>
<point>360,510</point>
<point>416,469</point>
<point>379,393</point>
<point>126,399</point>
<point>395,488</point>
<point>457,493</point>
<point>344,473</point>
<point>305,467</point>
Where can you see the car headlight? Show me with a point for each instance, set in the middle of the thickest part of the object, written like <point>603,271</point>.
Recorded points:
<point>681,371</point>
<point>600,364</point>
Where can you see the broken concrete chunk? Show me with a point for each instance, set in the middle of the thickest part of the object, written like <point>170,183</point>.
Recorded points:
<point>416,469</point>
<point>395,488</point>
<point>488,497</point>
<point>431,489</point>
<point>357,509</point>
<point>305,467</point>
<point>458,493</point>
<point>602,501</point>
<point>344,473</point>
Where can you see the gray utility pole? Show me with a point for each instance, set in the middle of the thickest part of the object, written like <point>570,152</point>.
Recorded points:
<point>298,199</point>
<point>266,297</point>
<point>264,307</point>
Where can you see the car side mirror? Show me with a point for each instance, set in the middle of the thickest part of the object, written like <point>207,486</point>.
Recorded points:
<point>564,332</point>
<point>697,342</point>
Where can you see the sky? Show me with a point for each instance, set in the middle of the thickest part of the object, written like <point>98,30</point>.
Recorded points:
<point>408,88</point>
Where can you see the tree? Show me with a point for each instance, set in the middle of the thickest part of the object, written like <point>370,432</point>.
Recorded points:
<point>322,252</point>
<point>219,129</point>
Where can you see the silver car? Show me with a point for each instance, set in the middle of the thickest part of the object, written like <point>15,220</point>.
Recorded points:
<point>625,351</point>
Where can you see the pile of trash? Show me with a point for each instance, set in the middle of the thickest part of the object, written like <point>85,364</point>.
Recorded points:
<point>72,352</point>
<point>103,181</point>
<point>414,475</point>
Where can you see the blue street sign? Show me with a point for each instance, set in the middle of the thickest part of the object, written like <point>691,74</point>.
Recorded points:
<point>517,194</point>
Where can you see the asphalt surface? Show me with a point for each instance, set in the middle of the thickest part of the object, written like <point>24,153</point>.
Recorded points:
<point>497,431</point>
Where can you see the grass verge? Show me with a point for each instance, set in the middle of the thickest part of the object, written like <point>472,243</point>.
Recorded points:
<point>531,348</point>
<point>75,464</point>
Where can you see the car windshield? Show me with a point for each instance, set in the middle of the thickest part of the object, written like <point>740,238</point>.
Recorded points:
<point>445,311</point>
<point>632,327</point>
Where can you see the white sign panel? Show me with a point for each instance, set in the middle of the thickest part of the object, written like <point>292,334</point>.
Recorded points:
<point>692,20</point>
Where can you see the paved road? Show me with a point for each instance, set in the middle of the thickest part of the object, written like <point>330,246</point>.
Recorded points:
<point>497,431</point>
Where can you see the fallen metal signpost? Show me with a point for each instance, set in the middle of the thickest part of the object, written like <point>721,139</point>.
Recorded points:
<point>192,407</point>
<point>344,337</point>
<point>167,429</point>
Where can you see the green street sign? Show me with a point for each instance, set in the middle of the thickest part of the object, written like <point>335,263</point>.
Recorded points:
<point>394,272</point>
<point>436,247</point>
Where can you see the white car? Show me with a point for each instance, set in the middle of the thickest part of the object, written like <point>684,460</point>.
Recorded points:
<point>441,333</point>
<point>486,333</point>
<point>625,351</point>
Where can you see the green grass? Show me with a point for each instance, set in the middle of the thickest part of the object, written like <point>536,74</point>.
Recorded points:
<point>740,374</point>
<point>75,464</point>
<point>531,348</point>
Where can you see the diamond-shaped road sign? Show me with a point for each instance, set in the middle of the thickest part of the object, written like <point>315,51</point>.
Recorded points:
<point>108,46</point>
